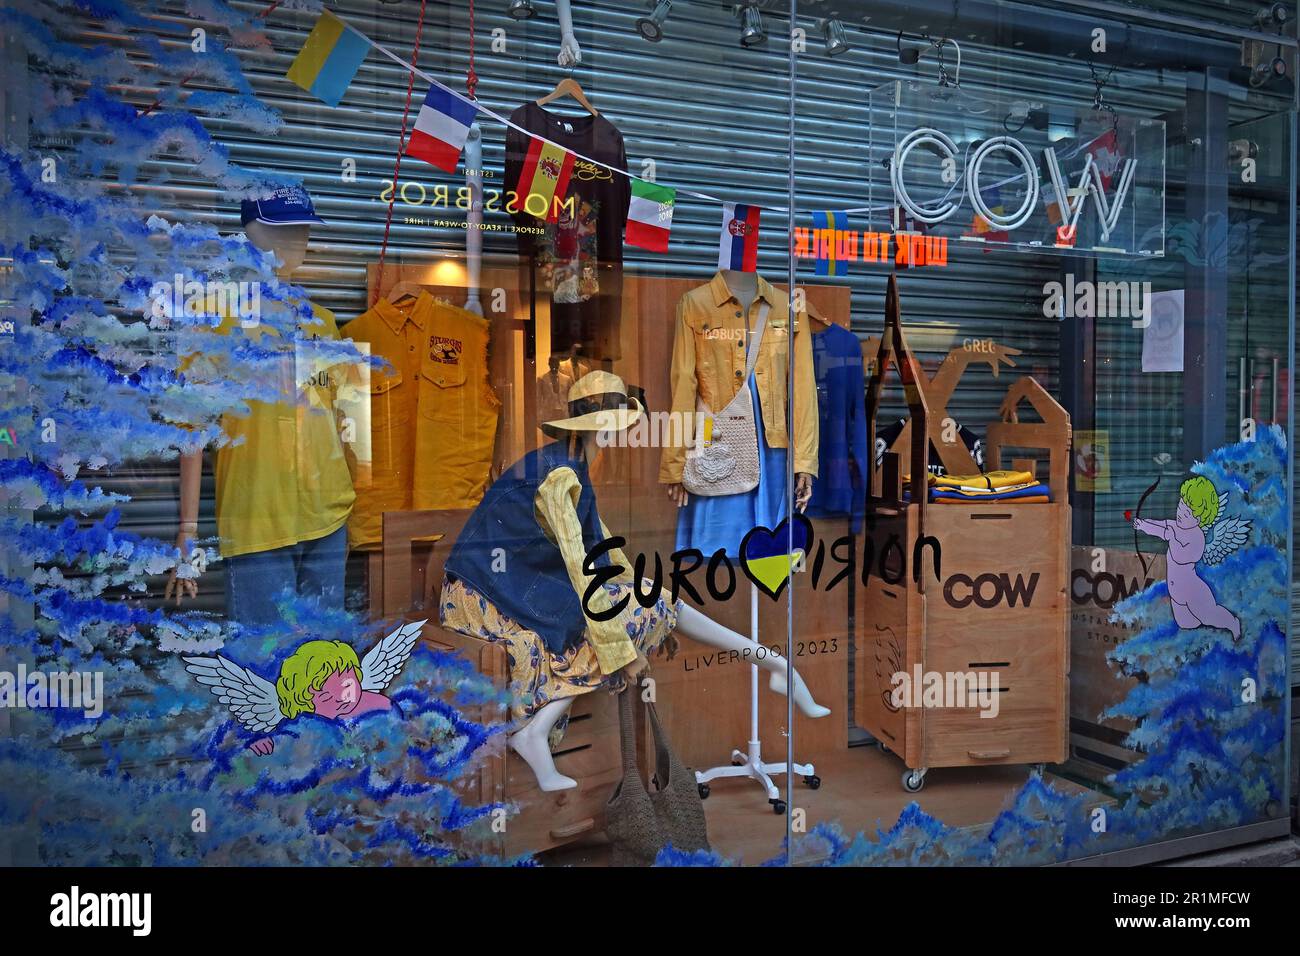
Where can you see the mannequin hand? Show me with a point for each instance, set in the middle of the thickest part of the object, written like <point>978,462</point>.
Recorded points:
<point>678,493</point>
<point>570,52</point>
<point>803,484</point>
<point>183,587</point>
<point>636,668</point>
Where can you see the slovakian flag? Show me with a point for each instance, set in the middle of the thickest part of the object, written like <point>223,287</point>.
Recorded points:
<point>826,249</point>
<point>650,215</point>
<point>328,60</point>
<point>738,241</point>
<point>544,180</point>
<point>441,128</point>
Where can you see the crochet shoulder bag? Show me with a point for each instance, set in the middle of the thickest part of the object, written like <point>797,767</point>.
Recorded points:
<point>724,460</point>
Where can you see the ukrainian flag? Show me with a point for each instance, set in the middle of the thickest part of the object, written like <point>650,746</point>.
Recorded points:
<point>328,60</point>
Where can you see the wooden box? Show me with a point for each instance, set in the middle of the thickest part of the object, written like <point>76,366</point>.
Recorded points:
<point>415,547</point>
<point>989,599</point>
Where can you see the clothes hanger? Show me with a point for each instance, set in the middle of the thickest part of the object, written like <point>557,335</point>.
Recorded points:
<point>569,87</point>
<point>404,290</point>
<point>815,315</point>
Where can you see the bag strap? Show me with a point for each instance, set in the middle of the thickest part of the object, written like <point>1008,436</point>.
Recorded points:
<point>627,729</point>
<point>663,749</point>
<point>756,339</point>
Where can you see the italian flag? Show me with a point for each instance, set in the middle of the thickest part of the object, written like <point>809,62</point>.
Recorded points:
<point>650,215</point>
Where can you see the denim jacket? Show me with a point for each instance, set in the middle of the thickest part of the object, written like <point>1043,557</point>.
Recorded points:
<point>528,578</point>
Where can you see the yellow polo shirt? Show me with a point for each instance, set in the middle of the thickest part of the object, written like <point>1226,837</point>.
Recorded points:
<point>283,477</point>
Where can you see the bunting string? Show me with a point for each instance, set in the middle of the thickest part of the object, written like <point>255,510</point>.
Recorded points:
<point>471,102</point>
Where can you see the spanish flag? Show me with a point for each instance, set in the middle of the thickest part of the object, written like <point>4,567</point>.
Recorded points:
<point>544,180</point>
<point>328,60</point>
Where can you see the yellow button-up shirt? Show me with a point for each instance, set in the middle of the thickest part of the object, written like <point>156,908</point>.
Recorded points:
<point>709,361</point>
<point>426,422</point>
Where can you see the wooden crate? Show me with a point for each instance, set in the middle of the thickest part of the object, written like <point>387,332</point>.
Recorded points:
<point>589,752</point>
<point>996,603</point>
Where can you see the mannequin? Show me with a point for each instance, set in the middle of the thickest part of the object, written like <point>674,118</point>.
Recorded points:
<point>532,741</point>
<point>744,285</point>
<point>471,583</point>
<point>313,560</point>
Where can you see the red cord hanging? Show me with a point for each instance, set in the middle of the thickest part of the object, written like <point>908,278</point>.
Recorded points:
<point>471,78</point>
<point>401,148</point>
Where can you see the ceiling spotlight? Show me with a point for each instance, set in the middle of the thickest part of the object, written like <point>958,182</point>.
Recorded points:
<point>907,54</point>
<point>652,27</point>
<point>751,25</point>
<point>837,41</point>
<point>522,10</point>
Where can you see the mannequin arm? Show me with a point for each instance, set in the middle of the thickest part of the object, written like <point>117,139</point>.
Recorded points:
<point>618,557</point>
<point>570,52</point>
<point>556,510</point>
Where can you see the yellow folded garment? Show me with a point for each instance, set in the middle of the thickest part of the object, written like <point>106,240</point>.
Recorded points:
<point>988,481</point>
<point>1024,500</point>
<point>967,491</point>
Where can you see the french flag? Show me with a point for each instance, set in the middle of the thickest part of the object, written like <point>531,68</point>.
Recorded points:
<point>738,241</point>
<point>441,128</point>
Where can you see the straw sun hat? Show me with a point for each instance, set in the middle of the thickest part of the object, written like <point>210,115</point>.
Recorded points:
<point>599,401</point>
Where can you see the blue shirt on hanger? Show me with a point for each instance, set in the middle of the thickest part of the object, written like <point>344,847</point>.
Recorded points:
<point>841,485</point>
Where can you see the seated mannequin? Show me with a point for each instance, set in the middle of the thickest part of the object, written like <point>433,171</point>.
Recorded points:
<point>515,575</point>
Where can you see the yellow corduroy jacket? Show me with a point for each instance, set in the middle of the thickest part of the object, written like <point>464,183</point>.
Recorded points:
<point>709,361</point>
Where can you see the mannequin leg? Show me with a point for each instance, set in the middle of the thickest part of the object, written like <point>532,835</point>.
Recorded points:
<point>698,627</point>
<point>533,744</point>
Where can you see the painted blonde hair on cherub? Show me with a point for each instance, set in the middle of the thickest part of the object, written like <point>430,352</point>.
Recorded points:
<point>1201,498</point>
<point>307,669</point>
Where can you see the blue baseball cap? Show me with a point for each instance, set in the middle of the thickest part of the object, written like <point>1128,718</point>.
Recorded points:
<point>286,206</point>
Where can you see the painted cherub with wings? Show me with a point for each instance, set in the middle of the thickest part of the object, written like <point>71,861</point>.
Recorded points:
<point>1199,505</point>
<point>321,677</point>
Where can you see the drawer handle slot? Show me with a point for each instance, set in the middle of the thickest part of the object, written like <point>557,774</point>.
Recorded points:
<point>988,754</point>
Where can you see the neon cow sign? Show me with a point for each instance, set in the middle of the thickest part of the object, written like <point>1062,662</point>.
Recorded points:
<point>1069,201</point>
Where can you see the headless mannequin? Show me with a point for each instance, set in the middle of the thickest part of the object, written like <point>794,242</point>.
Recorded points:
<point>744,286</point>
<point>289,243</point>
<point>532,741</point>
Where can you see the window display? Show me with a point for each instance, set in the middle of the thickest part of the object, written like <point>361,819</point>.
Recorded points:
<point>592,412</point>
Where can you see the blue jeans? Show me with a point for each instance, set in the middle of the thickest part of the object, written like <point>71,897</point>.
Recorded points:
<point>311,569</point>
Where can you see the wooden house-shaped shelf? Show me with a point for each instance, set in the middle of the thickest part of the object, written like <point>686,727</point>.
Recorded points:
<point>959,590</point>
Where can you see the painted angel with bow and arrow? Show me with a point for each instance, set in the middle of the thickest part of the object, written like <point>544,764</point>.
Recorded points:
<point>1199,508</point>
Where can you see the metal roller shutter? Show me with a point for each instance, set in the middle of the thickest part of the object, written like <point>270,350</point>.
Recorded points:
<point>713,117</point>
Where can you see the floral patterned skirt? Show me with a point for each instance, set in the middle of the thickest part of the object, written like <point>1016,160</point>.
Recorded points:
<point>538,676</point>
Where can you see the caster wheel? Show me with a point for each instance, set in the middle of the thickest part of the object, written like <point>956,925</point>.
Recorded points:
<point>913,781</point>
<point>737,763</point>
<point>778,807</point>
<point>884,748</point>
<point>813,782</point>
<point>704,791</point>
